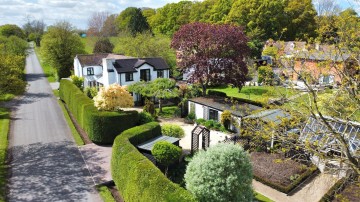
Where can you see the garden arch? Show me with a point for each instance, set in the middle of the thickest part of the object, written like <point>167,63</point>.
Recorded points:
<point>195,133</point>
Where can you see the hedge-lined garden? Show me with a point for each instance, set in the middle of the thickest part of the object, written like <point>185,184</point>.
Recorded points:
<point>101,126</point>
<point>137,178</point>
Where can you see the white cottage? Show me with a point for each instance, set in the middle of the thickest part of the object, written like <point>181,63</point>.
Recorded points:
<point>107,69</point>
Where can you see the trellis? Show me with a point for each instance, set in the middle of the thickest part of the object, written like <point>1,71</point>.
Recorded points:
<point>205,135</point>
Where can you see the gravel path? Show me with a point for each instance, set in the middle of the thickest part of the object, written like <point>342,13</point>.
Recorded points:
<point>45,163</point>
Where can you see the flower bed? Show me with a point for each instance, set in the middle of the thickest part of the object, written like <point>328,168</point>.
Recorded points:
<point>278,172</point>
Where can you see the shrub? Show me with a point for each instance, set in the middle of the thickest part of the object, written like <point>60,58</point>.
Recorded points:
<point>91,92</point>
<point>190,117</point>
<point>200,121</point>
<point>102,127</point>
<point>225,118</point>
<point>149,107</point>
<point>172,130</point>
<point>265,75</point>
<point>135,176</point>
<point>103,45</point>
<point>166,153</point>
<point>113,98</point>
<point>222,173</point>
<point>77,81</point>
<point>145,117</point>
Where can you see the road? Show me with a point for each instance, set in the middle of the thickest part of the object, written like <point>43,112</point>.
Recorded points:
<point>45,163</point>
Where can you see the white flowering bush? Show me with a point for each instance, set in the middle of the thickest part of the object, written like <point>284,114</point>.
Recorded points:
<point>113,98</point>
<point>222,173</point>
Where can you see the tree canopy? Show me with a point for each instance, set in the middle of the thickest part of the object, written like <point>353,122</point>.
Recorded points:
<point>212,53</point>
<point>11,30</point>
<point>133,21</point>
<point>60,44</point>
<point>103,45</point>
<point>112,98</point>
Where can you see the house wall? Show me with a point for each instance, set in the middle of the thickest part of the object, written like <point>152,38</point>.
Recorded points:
<point>315,69</point>
<point>77,68</point>
<point>109,72</point>
<point>97,70</point>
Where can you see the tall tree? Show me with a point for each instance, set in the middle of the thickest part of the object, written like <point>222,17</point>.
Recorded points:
<point>138,23</point>
<point>300,20</point>
<point>103,45</point>
<point>96,23</point>
<point>109,27</point>
<point>212,53</point>
<point>60,45</point>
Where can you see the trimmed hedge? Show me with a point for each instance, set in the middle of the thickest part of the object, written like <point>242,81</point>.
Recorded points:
<point>222,94</point>
<point>290,187</point>
<point>135,176</point>
<point>101,126</point>
<point>329,196</point>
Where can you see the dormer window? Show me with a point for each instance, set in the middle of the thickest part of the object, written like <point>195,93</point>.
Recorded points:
<point>90,71</point>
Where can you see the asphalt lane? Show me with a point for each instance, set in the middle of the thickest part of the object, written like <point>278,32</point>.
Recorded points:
<point>45,163</point>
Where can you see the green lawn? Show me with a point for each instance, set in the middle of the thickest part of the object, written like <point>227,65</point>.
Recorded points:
<point>105,193</point>
<point>89,43</point>
<point>261,198</point>
<point>4,130</point>
<point>169,112</point>
<point>256,93</point>
<point>49,71</point>
<point>74,132</point>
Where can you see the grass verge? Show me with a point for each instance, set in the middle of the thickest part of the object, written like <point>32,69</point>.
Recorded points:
<point>49,71</point>
<point>74,132</point>
<point>4,130</point>
<point>261,198</point>
<point>6,97</point>
<point>105,193</point>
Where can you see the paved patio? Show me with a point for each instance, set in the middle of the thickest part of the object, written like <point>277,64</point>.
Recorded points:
<point>97,159</point>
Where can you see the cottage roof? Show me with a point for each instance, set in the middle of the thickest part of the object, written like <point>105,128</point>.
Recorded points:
<point>96,59</point>
<point>270,115</point>
<point>239,109</point>
<point>322,55</point>
<point>131,65</point>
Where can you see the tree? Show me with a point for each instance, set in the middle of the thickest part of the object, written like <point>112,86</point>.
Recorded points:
<point>222,173</point>
<point>161,88</point>
<point>138,23</point>
<point>213,53</point>
<point>34,30</point>
<point>109,27</point>
<point>103,45</point>
<point>11,30</point>
<point>133,21</point>
<point>96,24</point>
<point>60,45</point>
<point>113,98</point>
<point>166,153</point>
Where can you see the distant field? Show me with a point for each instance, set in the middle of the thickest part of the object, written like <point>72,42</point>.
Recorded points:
<point>89,43</point>
<point>256,93</point>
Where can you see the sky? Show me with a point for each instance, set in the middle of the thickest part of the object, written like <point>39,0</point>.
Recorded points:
<point>77,12</point>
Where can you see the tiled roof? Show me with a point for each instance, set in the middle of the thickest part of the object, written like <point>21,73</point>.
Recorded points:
<point>219,103</point>
<point>96,59</point>
<point>130,65</point>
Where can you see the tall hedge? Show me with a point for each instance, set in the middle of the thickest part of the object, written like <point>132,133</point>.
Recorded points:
<point>135,176</point>
<point>101,126</point>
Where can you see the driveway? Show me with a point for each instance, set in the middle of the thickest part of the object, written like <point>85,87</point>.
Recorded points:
<point>45,163</point>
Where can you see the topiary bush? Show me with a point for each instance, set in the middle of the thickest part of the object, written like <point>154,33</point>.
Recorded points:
<point>222,173</point>
<point>172,130</point>
<point>145,117</point>
<point>166,153</point>
<point>149,107</point>
<point>101,126</point>
<point>135,176</point>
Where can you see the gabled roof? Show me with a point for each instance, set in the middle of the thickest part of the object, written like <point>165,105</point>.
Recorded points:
<point>96,59</point>
<point>131,65</point>
<point>320,55</point>
<point>219,103</point>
